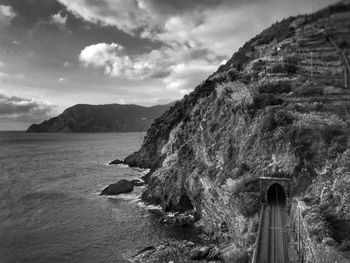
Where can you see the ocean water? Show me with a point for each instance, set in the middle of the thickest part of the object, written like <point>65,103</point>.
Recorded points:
<point>50,208</point>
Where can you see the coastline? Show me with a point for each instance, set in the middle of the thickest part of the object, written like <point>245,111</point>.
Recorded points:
<point>201,248</point>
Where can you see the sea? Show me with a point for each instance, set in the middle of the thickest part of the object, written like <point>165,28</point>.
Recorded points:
<point>50,207</point>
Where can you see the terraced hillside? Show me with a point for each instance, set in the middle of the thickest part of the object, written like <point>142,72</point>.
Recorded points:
<point>279,107</point>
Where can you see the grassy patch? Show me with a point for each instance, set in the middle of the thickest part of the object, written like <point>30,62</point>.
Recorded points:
<point>274,87</point>
<point>307,91</point>
<point>263,100</point>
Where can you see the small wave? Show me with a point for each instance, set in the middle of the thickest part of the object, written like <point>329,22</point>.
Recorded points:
<point>118,214</point>
<point>43,195</point>
<point>149,207</point>
<point>121,165</point>
<point>109,163</point>
<point>126,197</point>
<point>143,172</point>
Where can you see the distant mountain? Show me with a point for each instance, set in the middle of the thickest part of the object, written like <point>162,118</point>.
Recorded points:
<point>102,118</point>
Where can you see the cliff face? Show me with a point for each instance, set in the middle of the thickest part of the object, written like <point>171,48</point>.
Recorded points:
<point>101,118</point>
<point>279,107</point>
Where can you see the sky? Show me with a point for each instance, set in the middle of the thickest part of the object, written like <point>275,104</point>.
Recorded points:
<point>58,53</point>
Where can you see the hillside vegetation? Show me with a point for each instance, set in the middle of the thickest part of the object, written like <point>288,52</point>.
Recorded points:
<point>279,107</point>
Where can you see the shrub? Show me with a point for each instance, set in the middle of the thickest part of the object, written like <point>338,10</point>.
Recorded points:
<point>305,91</point>
<point>283,118</point>
<point>245,78</point>
<point>291,68</point>
<point>258,66</point>
<point>343,44</point>
<point>291,64</point>
<point>212,172</point>
<point>277,119</point>
<point>277,68</point>
<point>268,123</point>
<point>291,60</point>
<point>276,87</point>
<point>255,75</point>
<point>248,203</point>
<point>319,228</point>
<point>252,185</point>
<point>264,100</point>
<point>345,245</point>
<point>274,52</point>
<point>311,200</point>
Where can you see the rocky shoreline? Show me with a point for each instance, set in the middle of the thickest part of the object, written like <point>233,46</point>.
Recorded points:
<point>122,187</point>
<point>177,251</point>
<point>168,250</point>
<point>278,108</point>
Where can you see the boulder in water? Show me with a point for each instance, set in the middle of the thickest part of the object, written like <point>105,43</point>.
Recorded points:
<point>138,182</point>
<point>121,187</point>
<point>117,161</point>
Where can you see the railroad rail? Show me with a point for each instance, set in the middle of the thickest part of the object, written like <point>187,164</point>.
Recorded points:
<point>272,239</point>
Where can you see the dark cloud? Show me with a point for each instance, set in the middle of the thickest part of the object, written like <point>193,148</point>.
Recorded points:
<point>170,46</point>
<point>161,74</point>
<point>22,109</point>
<point>35,28</point>
<point>182,6</point>
<point>32,11</point>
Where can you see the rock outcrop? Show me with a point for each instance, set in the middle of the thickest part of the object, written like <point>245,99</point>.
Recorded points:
<point>279,107</point>
<point>177,251</point>
<point>116,161</point>
<point>102,118</point>
<point>121,187</point>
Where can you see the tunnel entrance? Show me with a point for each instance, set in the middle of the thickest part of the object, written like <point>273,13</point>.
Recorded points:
<point>276,194</point>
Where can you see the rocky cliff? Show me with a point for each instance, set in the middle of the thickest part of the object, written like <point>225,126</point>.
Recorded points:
<point>279,107</point>
<point>102,118</point>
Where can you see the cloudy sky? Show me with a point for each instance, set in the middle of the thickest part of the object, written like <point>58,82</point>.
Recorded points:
<point>57,53</point>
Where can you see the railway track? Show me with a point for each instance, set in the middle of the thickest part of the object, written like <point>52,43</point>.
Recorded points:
<point>272,243</point>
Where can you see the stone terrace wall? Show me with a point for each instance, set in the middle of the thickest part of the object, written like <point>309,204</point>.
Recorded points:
<point>320,45</point>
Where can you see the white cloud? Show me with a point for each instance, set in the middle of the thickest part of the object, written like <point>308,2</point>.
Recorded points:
<point>196,38</point>
<point>24,109</point>
<point>174,66</point>
<point>7,11</point>
<point>6,14</point>
<point>9,77</point>
<point>59,19</point>
<point>186,76</point>
<point>220,28</point>
<point>219,31</point>
<point>126,15</point>
<point>1,64</point>
<point>106,56</point>
<point>112,58</point>
<point>185,91</point>
<point>195,43</point>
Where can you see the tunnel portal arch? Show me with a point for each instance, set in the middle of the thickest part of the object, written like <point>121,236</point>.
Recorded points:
<point>269,185</point>
<point>276,194</point>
